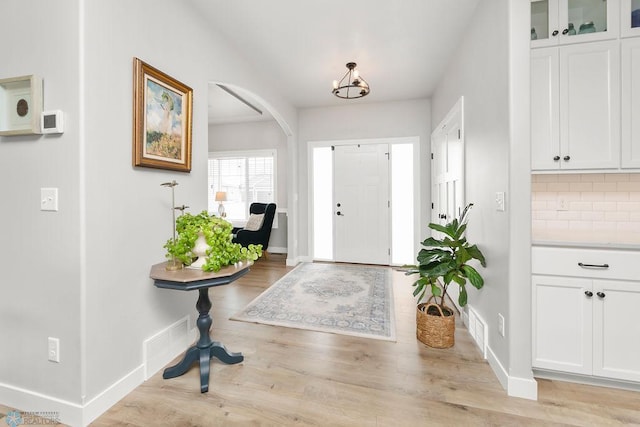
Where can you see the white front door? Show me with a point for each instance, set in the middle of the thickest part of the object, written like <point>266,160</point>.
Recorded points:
<point>361,203</point>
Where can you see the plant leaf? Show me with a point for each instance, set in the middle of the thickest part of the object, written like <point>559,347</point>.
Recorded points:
<point>474,277</point>
<point>476,254</point>
<point>462,298</point>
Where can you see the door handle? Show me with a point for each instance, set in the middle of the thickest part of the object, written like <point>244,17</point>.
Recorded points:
<point>442,216</point>
<point>339,213</point>
<point>593,265</point>
<point>601,294</point>
<point>588,293</point>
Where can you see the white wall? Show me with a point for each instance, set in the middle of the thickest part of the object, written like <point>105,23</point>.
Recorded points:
<point>81,274</point>
<point>40,254</point>
<point>254,136</point>
<point>489,68</point>
<point>259,135</point>
<point>361,121</point>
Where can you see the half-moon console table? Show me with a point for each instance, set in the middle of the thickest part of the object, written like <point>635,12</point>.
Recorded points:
<point>205,348</point>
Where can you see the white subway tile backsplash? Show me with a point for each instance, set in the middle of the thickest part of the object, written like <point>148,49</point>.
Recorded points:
<point>616,196</point>
<point>616,216</point>
<point>605,186</point>
<point>604,226</point>
<point>603,203</point>
<point>629,226</point>
<point>592,177</point>
<point>616,177</point>
<point>629,186</point>
<point>537,205</point>
<point>581,225</point>
<point>577,187</point>
<point>629,206</point>
<point>547,178</point>
<point>558,186</point>
<point>557,225</point>
<point>592,196</point>
<point>569,215</point>
<point>538,186</point>
<point>592,216</point>
<point>569,178</point>
<point>547,195</point>
<point>581,206</point>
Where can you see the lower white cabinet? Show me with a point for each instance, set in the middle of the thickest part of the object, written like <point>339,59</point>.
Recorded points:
<point>585,325</point>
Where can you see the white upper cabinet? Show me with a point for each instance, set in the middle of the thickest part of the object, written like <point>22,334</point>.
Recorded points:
<point>575,107</point>
<point>556,22</point>
<point>630,18</point>
<point>630,103</point>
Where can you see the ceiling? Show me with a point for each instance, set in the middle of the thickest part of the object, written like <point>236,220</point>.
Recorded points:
<point>401,46</point>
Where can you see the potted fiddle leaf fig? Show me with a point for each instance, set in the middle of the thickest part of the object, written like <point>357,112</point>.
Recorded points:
<point>204,241</point>
<point>442,262</point>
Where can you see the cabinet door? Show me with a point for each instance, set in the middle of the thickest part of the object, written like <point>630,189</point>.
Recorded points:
<point>590,106</point>
<point>616,330</point>
<point>573,21</point>
<point>545,133</point>
<point>562,328</point>
<point>544,23</point>
<point>630,103</point>
<point>630,18</point>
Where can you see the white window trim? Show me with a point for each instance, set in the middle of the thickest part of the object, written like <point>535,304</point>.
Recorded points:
<point>271,152</point>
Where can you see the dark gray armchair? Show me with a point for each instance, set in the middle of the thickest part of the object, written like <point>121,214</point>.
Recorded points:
<point>261,236</point>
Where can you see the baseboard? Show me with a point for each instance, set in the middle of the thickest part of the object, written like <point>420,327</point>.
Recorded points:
<point>526,388</point>
<point>109,397</point>
<point>292,262</point>
<point>586,379</point>
<point>28,401</point>
<point>277,250</point>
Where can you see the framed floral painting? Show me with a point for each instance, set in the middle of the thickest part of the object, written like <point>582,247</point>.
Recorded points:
<point>161,119</point>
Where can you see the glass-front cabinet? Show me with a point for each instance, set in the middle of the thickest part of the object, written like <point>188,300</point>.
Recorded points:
<point>630,18</point>
<point>555,22</point>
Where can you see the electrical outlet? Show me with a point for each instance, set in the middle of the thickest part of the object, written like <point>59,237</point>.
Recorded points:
<point>501,324</point>
<point>562,204</point>
<point>54,350</point>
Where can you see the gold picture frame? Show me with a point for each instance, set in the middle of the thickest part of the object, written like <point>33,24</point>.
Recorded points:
<point>162,119</point>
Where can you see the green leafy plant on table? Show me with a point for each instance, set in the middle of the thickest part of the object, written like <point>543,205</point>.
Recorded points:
<point>217,233</point>
<point>445,261</point>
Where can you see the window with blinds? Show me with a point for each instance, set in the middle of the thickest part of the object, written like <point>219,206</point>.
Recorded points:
<point>246,177</point>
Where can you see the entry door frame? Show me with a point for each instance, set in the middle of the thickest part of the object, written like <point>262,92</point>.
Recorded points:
<point>417,198</point>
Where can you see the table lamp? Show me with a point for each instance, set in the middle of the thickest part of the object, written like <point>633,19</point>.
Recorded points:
<point>221,196</point>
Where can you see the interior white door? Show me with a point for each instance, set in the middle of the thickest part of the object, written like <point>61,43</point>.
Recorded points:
<point>361,203</point>
<point>447,169</point>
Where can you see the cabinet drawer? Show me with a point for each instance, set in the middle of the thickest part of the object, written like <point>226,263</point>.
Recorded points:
<point>622,265</point>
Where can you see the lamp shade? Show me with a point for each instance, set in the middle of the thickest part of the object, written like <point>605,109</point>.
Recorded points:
<point>221,196</point>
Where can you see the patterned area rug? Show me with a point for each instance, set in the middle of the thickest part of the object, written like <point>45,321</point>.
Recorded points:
<point>337,298</point>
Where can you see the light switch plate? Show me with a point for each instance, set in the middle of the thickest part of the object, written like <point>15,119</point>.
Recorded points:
<point>500,201</point>
<point>49,199</point>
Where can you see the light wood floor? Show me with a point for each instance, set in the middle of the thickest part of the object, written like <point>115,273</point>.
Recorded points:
<point>296,377</point>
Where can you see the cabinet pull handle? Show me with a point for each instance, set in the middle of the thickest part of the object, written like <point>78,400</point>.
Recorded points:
<point>555,33</point>
<point>588,293</point>
<point>565,31</point>
<point>556,158</point>
<point>601,294</point>
<point>593,265</point>
<point>566,158</point>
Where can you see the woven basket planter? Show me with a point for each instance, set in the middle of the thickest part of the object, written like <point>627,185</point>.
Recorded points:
<point>437,331</point>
